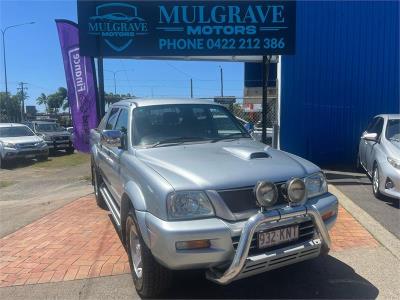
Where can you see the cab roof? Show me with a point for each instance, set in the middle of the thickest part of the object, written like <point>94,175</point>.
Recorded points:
<point>142,102</point>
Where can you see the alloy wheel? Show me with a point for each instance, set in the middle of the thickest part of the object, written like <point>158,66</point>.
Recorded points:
<point>375,180</point>
<point>136,252</point>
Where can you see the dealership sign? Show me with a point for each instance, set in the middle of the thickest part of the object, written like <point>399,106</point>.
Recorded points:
<point>186,28</point>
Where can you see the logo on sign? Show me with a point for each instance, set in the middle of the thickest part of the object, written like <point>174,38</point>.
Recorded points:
<point>117,24</point>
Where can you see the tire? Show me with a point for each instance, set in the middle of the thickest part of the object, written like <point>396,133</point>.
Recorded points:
<point>150,278</point>
<point>70,150</point>
<point>376,182</point>
<point>2,163</point>
<point>43,158</point>
<point>96,186</point>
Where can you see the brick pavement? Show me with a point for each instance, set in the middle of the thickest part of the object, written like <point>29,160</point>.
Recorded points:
<point>79,241</point>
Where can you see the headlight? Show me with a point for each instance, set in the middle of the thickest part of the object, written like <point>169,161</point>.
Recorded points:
<point>189,205</point>
<point>316,185</point>
<point>296,190</point>
<point>394,162</point>
<point>41,144</point>
<point>266,194</point>
<point>9,145</point>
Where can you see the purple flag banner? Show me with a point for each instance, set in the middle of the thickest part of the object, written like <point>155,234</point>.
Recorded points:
<point>81,84</point>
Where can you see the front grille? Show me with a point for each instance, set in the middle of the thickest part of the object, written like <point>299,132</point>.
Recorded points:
<point>61,138</point>
<point>306,232</point>
<point>241,200</point>
<point>26,145</point>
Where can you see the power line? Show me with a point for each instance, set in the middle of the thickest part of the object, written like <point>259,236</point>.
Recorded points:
<point>22,89</point>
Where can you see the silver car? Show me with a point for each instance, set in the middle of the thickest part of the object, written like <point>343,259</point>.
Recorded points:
<point>188,188</point>
<point>379,155</point>
<point>18,141</point>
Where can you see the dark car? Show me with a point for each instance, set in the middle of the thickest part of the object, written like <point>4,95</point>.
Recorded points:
<point>56,137</point>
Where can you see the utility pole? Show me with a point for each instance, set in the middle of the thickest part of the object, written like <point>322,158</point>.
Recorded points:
<point>191,88</point>
<point>222,80</point>
<point>22,89</point>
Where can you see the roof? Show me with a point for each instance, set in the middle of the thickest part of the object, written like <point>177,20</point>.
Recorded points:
<point>142,102</point>
<point>43,122</point>
<point>390,116</point>
<point>11,125</point>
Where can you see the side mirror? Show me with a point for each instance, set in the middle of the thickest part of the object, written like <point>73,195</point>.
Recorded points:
<point>372,137</point>
<point>112,138</point>
<point>249,127</point>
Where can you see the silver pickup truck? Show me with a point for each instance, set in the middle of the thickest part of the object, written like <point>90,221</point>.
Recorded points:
<point>188,188</point>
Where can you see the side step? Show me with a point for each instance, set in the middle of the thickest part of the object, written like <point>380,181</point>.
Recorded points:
<point>111,205</point>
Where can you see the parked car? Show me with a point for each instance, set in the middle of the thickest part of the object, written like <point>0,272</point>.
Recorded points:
<point>55,136</point>
<point>379,155</point>
<point>188,188</point>
<point>17,141</point>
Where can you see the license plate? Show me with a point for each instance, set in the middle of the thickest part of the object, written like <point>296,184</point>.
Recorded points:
<point>278,236</point>
<point>30,156</point>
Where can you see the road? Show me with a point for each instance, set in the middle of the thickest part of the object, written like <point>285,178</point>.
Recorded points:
<point>357,187</point>
<point>30,190</point>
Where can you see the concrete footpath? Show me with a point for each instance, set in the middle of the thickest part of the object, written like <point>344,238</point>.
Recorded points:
<point>74,253</point>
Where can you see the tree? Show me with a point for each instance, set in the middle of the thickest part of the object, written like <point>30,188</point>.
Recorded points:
<point>42,100</point>
<point>10,108</point>
<point>55,101</point>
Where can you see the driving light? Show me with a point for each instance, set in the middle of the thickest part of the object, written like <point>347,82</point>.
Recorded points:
<point>394,162</point>
<point>296,190</point>
<point>189,205</point>
<point>266,193</point>
<point>316,185</point>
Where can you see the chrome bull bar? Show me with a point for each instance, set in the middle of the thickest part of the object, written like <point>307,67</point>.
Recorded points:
<point>250,228</point>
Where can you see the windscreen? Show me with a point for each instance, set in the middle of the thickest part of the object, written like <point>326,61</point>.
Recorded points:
<point>48,127</point>
<point>155,124</point>
<point>15,131</point>
<point>393,130</point>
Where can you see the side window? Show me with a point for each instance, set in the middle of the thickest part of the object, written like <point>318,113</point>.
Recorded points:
<point>103,122</point>
<point>377,126</point>
<point>371,125</point>
<point>112,118</point>
<point>122,122</point>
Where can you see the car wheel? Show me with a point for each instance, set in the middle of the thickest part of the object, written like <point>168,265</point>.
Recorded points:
<point>69,150</point>
<point>97,181</point>
<point>376,182</point>
<point>43,158</point>
<point>150,278</point>
<point>1,163</point>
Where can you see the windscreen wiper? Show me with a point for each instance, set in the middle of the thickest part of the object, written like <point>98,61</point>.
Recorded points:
<point>178,140</point>
<point>231,136</point>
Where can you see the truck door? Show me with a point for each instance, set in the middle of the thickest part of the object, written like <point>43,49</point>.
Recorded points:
<point>115,154</point>
<point>105,157</point>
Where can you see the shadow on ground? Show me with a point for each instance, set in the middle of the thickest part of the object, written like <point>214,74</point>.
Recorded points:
<point>350,177</point>
<point>324,277</point>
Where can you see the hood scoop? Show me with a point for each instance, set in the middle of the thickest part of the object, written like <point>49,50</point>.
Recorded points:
<point>247,153</point>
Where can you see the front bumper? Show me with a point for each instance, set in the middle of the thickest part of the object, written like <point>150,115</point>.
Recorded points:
<point>12,154</point>
<point>388,172</point>
<point>59,145</point>
<point>226,264</point>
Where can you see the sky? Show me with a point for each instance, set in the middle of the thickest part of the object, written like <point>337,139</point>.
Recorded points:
<point>33,56</point>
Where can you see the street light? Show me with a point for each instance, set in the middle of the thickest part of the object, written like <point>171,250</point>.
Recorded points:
<point>222,80</point>
<point>115,77</point>
<point>3,32</point>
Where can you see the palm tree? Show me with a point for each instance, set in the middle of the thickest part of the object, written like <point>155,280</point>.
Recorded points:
<point>43,100</point>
